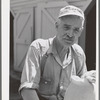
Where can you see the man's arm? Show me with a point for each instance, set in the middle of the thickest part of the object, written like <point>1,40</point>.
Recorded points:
<point>29,94</point>
<point>30,75</point>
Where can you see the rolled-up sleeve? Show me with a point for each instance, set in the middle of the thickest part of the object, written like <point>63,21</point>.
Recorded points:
<point>31,71</point>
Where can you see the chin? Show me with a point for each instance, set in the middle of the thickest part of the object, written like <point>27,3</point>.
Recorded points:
<point>68,43</point>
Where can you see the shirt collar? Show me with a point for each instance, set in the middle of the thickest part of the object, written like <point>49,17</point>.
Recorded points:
<point>52,49</point>
<point>67,60</point>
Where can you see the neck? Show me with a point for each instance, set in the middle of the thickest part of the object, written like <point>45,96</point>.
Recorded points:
<point>59,46</point>
<point>61,49</point>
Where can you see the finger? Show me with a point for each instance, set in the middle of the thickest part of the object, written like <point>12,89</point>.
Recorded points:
<point>91,79</point>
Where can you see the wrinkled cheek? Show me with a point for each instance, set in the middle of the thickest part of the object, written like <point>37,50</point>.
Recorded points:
<point>60,37</point>
<point>76,38</point>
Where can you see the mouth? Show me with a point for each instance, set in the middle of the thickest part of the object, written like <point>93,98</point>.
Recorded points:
<point>68,40</point>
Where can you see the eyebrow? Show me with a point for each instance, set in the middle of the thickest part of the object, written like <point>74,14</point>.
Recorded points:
<point>66,25</point>
<point>70,26</point>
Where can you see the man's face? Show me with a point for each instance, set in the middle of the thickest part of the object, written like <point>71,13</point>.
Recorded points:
<point>68,30</point>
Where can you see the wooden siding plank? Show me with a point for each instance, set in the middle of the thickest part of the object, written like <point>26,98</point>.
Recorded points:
<point>22,41</point>
<point>50,18</point>
<point>19,34</point>
<point>81,4</point>
<point>52,4</point>
<point>76,0</point>
<point>37,1</point>
<point>57,3</point>
<point>18,1</point>
<point>38,22</point>
<point>22,3</point>
<point>17,9</point>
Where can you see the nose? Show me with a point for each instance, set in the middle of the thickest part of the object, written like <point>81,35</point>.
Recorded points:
<point>70,33</point>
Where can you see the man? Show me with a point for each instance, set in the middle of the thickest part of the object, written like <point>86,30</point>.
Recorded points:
<point>50,64</point>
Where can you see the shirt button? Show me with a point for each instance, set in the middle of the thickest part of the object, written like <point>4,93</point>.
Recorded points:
<point>61,87</point>
<point>45,82</point>
<point>61,82</point>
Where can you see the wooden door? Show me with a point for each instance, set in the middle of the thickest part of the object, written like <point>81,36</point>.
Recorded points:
<point>23,36</point>
<point>46,14</point>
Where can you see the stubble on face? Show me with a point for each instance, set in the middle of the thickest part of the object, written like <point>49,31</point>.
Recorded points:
<point>63,34</point>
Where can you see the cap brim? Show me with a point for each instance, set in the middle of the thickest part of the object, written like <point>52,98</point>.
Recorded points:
<point>70,14</point>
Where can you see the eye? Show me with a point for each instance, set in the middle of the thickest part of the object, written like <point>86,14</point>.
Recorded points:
<point>66,28</point>
<point>77,30</point>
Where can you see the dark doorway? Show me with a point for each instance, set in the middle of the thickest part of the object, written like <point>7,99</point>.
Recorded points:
<point>14,80</point>
<point>90,47</point>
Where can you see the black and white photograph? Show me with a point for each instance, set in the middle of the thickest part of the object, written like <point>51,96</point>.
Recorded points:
<point>52,50</point>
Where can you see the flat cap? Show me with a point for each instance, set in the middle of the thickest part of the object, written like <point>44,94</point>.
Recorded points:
<point>71,10</point>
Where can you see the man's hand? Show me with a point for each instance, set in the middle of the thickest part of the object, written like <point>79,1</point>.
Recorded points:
<point>90,76</point>
<point>29,94</point>
<point>53,97</point>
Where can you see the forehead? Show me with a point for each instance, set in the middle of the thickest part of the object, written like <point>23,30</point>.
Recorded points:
<point>71,20</point>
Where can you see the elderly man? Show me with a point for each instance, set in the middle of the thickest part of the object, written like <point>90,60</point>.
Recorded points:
<point>50,64</point>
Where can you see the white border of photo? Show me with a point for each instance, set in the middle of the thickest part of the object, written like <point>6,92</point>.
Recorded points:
<point>5,48</point>
<point>5,27</point>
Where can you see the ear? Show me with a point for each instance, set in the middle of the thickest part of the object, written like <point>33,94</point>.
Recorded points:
<point>56,24</point>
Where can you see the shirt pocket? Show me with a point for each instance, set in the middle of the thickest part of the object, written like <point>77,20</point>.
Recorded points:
<point>45,86</point>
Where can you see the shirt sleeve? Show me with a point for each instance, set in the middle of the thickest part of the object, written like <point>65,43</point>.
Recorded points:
<point>80,60</point>
<point>31,71</point>
<point>82,68</point>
